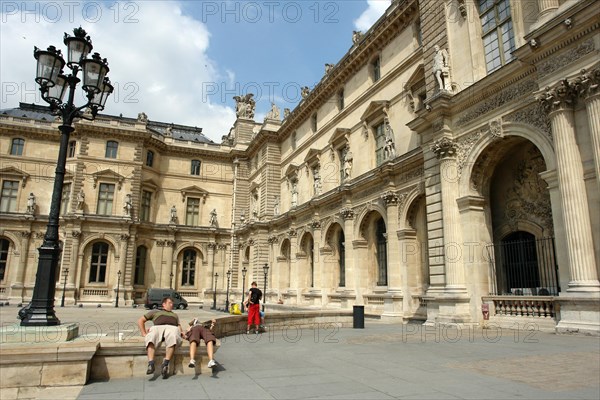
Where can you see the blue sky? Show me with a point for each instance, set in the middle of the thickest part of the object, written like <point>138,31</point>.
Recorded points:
<point>183,61</point>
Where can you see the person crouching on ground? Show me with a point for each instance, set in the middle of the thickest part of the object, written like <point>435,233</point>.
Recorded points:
<point>166,328</point>
<point>197,331</point>
<point>253,305</point>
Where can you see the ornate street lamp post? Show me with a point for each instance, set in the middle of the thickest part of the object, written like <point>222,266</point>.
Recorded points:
<point>118,284</point>
<point>227,296</point>
<point>266,271</point>
<point>244,270</point>
<point>53,86</point>
<point>65,274</point>
<point>171,280</point>
<point>214,307</point>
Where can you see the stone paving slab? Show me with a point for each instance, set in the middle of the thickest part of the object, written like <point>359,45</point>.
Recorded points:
<point>383,361</point>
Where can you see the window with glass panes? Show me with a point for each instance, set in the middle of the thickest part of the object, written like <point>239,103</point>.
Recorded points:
<point>4,246</point>
<point>98,262</point>
<point>192,212</point>
<point>149,158</point>
<point>72,148</point>
<point>140,265</point>
<point>379,143</point>
<point>66,196</point>
<point>145,206</point>
<point>8,198</point>
<point>195,167</point>
<point>106,195</point>
<point>111,149</point>
<point>498,34</point>
<point>16,148</point>
<point>341,99</point>
<point>188,269</point>
<point>376,69</point>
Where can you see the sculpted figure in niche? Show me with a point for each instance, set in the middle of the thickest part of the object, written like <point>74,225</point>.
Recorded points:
<point>348,160</point>
<point>317,181</point>
<point>80,200</point>
<point>441,68</point>
<point>276,206</point>
<point>127,206</point>
<point>389,151</point>
<point>173,219</point>
<point>213,217</point>
<point>31,204</point>
<point>294,193</point>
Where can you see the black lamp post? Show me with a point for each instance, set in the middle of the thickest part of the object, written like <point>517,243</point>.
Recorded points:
<point>65,273</point>
<point>53,86</point>
<point>214,307</point>
<point>227,296</point>
<point>244,270</point>
<point>266,271</point>
<point>118,284</point>
<point>171,280</point>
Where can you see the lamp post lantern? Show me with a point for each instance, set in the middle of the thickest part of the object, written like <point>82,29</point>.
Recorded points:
<point>227,296</point>
<point>171,280</point>
<point>53,86</point>
<point>214,306</point>
<point>118,284</point>
<point>266,271</point>
<point>65,274</point>
<point>244,270</point>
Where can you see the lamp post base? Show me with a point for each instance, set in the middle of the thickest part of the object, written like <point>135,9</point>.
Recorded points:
<point>40,312</point>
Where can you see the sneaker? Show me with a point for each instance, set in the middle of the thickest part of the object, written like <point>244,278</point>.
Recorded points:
<point>150,369</point>
<point>192,363</point>
<point>164,370</point>
<point>212,364</point>
<point>247,331</point>
<point>256,331</point>
<point>194,322</point>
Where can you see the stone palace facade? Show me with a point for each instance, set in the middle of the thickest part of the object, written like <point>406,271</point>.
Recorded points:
<point>446,169</point>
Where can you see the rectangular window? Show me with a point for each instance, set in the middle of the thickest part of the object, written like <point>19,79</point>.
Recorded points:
<point>4,245</point>
<point>192,213</point>
<point>313,122</point>
<point>379,143</point>
<point>16,148</point>
<point>98,263</point>
<point>105,199</point>
<point>341,99</point>
<point>145,206</point>
<point>140,265</point>
<point>8,198</point>
<point>376,69</point>
<point>195,167</point>
<point>111,149</point>
<point>72,148</point>
<point>66,196</point>
<point>149,158</point>
<point>498,35</point>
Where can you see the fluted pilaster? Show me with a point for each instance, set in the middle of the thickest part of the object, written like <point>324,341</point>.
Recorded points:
<point>546,7</point>
<point>588,88</point>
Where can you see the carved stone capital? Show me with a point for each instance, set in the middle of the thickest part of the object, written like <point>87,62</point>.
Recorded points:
<point>389,198</point>
<point>211,245</point>
<point>124,237</point>
<point>314,224</point>
<point>273,239</point>
<point>25,234</point>
<point>588,83</point>
<point>222,247</point>
<point>75,234</point>
<point>292,233</point>
<point>561,96</point>
<point>444,148</point>
<point>39,235</point>
<point>251,242</point>
<point>170,243</point>
<point>347,213</point>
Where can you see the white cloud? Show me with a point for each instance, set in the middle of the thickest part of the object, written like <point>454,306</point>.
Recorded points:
<point>375,9</point>
<point>157,58</point>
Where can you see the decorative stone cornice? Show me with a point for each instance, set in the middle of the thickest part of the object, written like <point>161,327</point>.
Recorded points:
<point>389,198</point>
<point>165,243</point>
<point>347,213</point>
<point>444,148</point>
<point>559,97</point>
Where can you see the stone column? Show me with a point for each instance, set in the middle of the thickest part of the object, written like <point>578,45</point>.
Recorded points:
<point>17,273</point>
<point>390,199</point>
<point>317,262</point>
<point>167,264</point>
<point>546,7</point>
<point>558,102</point>
<point>351,263</point>
<point>588,87</point>
<point>212,246</point>
<point>445,150</point>
<point>124,241</point>
<point>74,264</point>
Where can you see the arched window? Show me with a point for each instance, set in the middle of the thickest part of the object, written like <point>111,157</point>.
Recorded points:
<point>380,237</point>
<point>342,260</point>
<point>4,246</point>
<point>140,265</point>
<point>188,269</point>
<point>98,262</point>
<point>16,148</point>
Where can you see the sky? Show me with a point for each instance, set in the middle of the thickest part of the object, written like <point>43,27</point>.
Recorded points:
<point>183,61</point>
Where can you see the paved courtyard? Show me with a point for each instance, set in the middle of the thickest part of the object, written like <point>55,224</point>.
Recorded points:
<point>382,361</point>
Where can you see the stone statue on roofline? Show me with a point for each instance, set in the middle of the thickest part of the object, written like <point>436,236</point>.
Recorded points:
<point>245,106</point>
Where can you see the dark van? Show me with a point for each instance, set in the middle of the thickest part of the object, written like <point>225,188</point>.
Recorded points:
<point>154,298</point>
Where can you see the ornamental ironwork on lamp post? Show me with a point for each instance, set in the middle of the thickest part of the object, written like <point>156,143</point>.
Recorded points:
<point>118,284</point>
<point>65,274</point>
<point>244,270</point>
<point>266,271</point>
<point>171,280</point>
<point>227,295</point>
<point>53,86</point>
<point>214,307</point>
